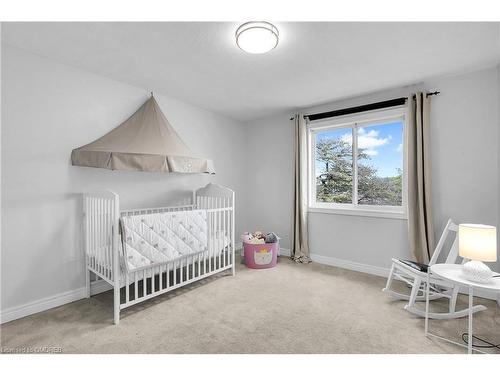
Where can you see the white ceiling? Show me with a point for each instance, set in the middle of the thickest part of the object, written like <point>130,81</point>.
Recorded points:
<point>314,63</point>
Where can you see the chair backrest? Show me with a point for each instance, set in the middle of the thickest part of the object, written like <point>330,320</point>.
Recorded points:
<point>451,229</point>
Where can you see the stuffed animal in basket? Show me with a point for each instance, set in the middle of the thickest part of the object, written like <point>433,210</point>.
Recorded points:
<point>246,237</point>
<point>271,238</point>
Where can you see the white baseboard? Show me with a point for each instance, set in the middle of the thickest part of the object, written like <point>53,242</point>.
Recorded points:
<point>350,265</point>
<point>341,263</point>
<point>50,302</point>
<point>285,252</point>
<point>43,304</point>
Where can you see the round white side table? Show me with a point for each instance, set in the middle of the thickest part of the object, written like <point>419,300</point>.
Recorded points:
<point>453,273</point>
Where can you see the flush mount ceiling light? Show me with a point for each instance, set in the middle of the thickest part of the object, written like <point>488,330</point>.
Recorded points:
<point>257,37</point>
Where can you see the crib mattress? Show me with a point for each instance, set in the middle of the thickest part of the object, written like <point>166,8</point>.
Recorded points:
<point>161,237</point>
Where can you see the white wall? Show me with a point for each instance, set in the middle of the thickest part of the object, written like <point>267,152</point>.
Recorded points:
<point>271,176</point>
<point>464,148</point>
<point>49,109</point>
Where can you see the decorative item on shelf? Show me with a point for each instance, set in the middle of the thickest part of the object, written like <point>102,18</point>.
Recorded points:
<point>478,243</point>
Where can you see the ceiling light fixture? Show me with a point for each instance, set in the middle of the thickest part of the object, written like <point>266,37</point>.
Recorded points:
<point>257,37</point>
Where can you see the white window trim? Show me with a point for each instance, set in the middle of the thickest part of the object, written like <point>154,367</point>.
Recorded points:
<point>355,121</point>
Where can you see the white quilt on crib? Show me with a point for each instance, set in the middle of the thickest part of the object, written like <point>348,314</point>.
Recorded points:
<point>162,237</point>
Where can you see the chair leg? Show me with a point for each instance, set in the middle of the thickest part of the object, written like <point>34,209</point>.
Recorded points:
<point>453,299</point>
<point>389,279</point>
<point>414,292</point>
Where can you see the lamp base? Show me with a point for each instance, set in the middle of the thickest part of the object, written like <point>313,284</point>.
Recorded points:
<point>477,271</point>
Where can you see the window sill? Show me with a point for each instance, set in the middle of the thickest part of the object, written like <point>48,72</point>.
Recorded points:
<point>358,212</point>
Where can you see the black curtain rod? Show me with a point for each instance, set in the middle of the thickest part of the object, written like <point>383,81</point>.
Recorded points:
<point>362,108</point>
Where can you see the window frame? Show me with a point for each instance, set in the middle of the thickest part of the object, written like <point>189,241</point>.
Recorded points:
<point>354,122</point>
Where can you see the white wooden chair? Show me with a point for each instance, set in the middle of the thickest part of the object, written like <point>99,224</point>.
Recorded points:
<point>415,275</point>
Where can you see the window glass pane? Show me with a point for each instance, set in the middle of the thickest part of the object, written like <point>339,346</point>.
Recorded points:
<point>334,166</point>
<point>380,164</point>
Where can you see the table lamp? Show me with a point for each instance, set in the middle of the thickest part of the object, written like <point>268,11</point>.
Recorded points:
<point>478,243</point>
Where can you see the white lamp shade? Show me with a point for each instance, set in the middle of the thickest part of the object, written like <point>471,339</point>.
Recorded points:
<point>477,242</point>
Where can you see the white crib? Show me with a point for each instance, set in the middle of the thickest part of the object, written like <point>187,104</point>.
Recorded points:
<point>104,255</point>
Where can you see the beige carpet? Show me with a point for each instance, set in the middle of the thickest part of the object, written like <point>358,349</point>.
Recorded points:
<point>289,309</point>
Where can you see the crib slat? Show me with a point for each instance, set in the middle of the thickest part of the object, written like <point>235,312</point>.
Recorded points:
<point>136,289</point>
<point>168,275</point>
<point>199,264</point>
<point>107,242</point>
<point>227,231</point>
<point>161,278</point>
<point>104,232</point>
<point>107,223</point>
<point>112,221</point>
<point>223,252</point>
<point>127,292</point>
<point>174,269</point>
<point>95,236</point>
<point>110,238</point>
<point>193,263</point>
<point>91,229</point>
<point>97,230</point>
<point>214,236</point>
<point>219,227</point>
<point>207,252</point>
<point>100,249</point>
<point>111,254</point>
<point>216,229</point>
<point>210,239</point>
<point>153,279</point>
<point>87,231</point>
<point>193,267</point>
<point>94,228</point>
<point>205,256</point>
<point>180,266</point>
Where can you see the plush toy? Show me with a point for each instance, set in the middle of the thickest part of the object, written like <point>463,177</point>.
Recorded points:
<point>246,237</point>
<point>258,234</point>
<point>271,238</point>
<point>257,241</point>
<point>259,238</point>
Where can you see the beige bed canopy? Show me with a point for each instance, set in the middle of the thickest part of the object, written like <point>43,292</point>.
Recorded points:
<point>144,142</point>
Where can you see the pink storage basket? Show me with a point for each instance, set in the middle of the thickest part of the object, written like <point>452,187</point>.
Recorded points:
<point>261,255</point>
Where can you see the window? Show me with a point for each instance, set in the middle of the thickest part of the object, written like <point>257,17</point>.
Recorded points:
<point>357,163</point>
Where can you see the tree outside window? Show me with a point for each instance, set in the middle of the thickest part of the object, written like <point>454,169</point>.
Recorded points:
<point>379,165</point>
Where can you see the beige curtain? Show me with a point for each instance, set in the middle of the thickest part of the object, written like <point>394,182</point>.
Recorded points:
<point>420,220</point>
<point>300,246</point>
